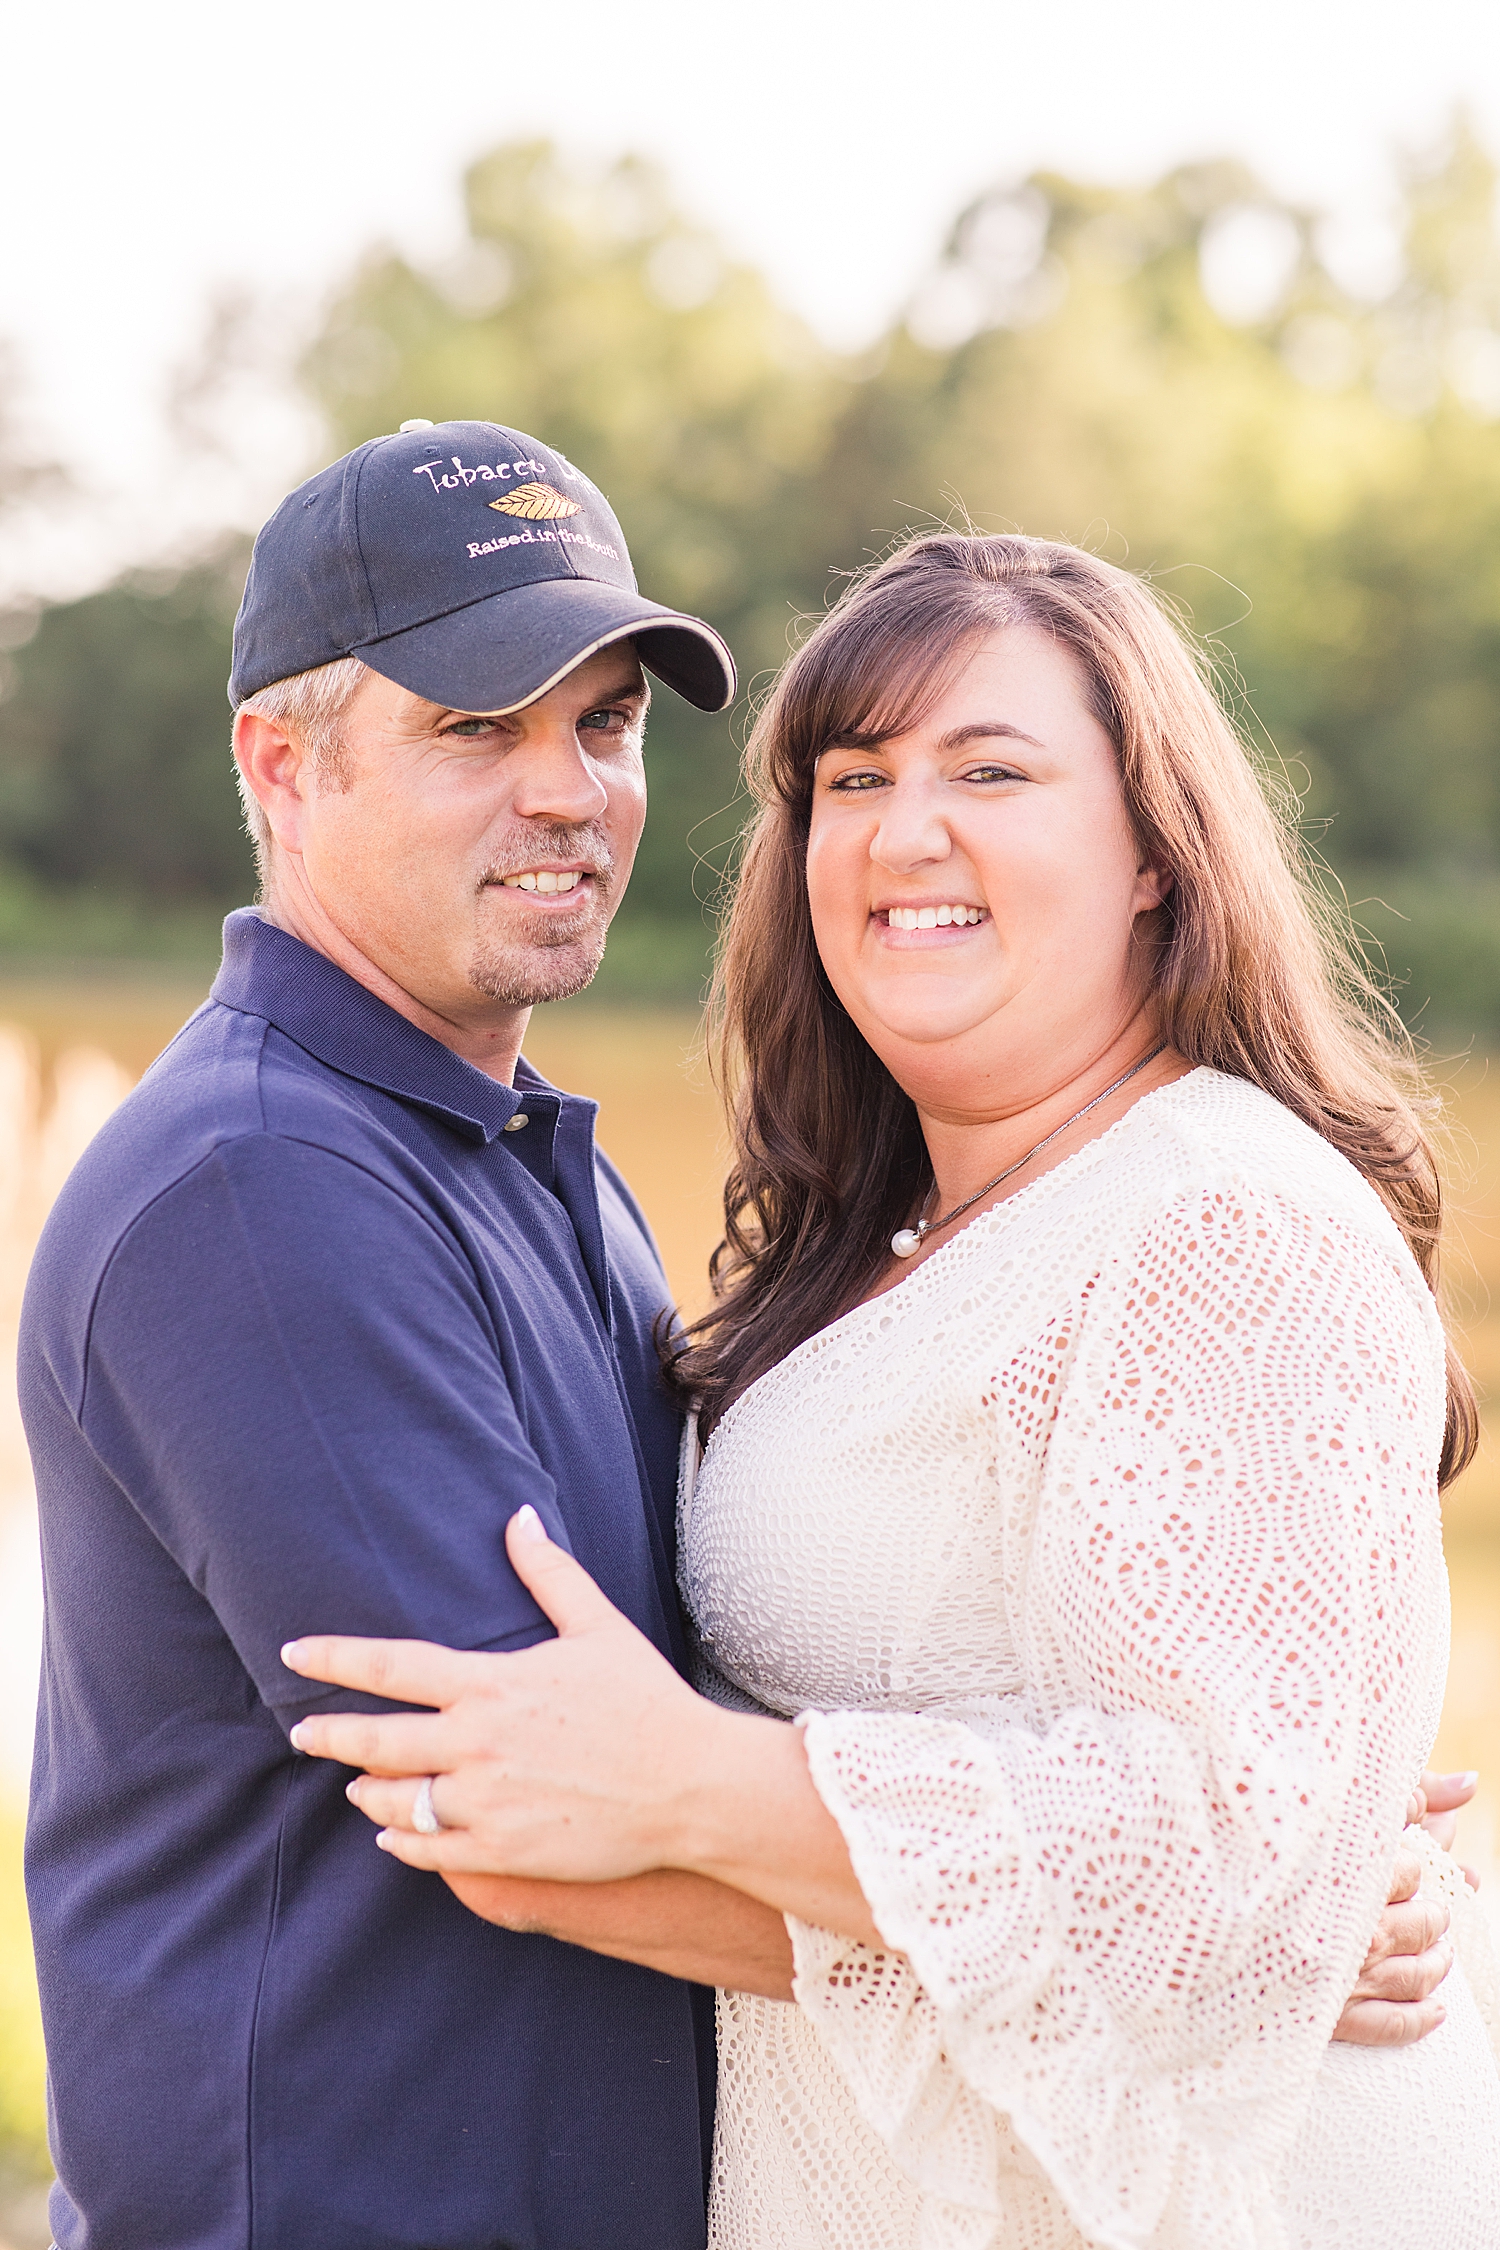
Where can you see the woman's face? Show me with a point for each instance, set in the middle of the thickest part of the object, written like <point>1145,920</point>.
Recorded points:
<point>974,883</point>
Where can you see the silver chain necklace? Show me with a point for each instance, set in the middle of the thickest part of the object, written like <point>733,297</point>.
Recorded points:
<point>907,1241</point>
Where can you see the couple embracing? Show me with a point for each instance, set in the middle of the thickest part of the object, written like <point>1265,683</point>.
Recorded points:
<point>997,1648</point>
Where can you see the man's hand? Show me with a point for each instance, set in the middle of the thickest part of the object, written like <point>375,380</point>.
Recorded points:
<point>1395,2001</point>
<point>1442,1796</point>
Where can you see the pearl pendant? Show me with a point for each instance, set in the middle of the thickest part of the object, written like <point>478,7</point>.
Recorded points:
<point>906,1241</point>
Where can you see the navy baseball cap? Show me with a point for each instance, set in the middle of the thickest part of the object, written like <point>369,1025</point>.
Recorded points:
<point>471,564</point>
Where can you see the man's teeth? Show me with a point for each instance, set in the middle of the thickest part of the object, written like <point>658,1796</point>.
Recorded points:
<point>542,881</point>
<point>931,917</point>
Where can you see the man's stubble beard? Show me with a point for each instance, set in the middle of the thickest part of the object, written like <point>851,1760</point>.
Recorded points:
<point>557,955</point>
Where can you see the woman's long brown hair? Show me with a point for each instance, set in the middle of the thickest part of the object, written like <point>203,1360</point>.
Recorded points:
<point>1254,973</point>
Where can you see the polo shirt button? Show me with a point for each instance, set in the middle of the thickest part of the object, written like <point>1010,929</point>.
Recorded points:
<point>517,1122</point>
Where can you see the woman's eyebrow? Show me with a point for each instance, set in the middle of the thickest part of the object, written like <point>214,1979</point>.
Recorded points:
<point>984,730</point>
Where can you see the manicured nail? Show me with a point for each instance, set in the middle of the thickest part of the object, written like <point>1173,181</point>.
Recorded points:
<point>1464,1780</point>
<point>529,1526</point>
<point>290,1651</point>
<point>295,1737</point>
<point>349,1789</point>
<point>384,1839</point>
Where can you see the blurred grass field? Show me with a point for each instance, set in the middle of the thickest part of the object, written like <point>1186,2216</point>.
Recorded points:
<point>67,1053</point>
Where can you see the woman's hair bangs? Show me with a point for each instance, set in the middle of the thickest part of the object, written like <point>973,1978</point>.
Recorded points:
<point>871,672</point>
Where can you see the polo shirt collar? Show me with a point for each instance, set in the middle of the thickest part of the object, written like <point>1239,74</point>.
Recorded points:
<point>322,1009</point>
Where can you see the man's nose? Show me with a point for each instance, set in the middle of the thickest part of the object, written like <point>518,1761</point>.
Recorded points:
<point>553,780</point>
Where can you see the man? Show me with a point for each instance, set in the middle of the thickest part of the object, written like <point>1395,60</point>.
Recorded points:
<point>339,1288</point>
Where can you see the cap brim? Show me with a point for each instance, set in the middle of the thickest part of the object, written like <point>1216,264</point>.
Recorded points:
<point>501,653</point>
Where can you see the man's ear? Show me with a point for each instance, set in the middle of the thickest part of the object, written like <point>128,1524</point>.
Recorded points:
<point>273,763</point>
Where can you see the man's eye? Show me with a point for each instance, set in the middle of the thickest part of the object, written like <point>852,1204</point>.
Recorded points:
<point>468,729</point>
<point>598,722</point>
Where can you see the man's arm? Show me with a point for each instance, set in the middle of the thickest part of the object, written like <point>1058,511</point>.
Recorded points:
<point>683,1925</point>
<point>294,1376</point>
<point>688,1926</point>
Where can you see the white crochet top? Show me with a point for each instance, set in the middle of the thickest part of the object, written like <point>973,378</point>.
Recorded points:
<point>1101,1560</point>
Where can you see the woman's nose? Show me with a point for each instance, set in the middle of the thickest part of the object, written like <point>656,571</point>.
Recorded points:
<point>911,832</point>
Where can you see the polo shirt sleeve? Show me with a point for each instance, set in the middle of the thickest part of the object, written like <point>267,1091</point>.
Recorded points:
<point>293,1374</point>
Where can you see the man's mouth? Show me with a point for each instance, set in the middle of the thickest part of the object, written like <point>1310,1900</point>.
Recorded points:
<point>546,882</point>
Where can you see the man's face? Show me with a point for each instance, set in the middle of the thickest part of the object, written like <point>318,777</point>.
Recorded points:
<point>480,860</point>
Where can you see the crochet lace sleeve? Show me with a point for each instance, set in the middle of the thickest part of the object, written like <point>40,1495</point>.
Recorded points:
<point>1125,1909</point>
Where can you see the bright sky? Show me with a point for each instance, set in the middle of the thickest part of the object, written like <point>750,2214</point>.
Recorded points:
<point>154,153</point>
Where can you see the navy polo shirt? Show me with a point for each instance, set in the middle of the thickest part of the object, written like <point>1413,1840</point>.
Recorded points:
<point>306,1326</point>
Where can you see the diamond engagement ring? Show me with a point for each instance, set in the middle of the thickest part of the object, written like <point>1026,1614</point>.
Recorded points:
<point>423,1818</point>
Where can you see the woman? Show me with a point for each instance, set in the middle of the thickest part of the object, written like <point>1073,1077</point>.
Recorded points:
<point>1075,1405</point>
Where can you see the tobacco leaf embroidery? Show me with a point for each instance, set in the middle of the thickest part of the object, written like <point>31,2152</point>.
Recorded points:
<point>536,501</point>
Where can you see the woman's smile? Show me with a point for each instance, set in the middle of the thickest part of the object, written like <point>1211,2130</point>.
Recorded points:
<point>918,924</point>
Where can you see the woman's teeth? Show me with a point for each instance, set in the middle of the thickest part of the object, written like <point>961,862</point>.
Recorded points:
<point>542,882</point>
<point>931,917</point>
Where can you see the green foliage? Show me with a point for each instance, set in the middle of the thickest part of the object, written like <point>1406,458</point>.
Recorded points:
<point>1317,488</point>
<point>115,775</point>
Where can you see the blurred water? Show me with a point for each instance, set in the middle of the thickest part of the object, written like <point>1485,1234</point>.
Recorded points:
<point>45,1124</point>
<point>68,1054</point>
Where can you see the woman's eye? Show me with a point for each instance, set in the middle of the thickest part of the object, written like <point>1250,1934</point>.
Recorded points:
<point>853,784</point>
<point>992,773</point>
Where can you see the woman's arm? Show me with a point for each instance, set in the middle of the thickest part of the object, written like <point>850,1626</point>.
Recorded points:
<point>767,1841</point>
<point>683,1925</point>
<point>584,1759</point>
<point>762,1840</point>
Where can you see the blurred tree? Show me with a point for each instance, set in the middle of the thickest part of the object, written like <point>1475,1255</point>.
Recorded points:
<point>1302,449</point>
<point>115,772</point>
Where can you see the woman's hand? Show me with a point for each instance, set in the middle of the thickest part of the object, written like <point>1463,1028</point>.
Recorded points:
<point>582,1760</point>
<point>573,1761</point>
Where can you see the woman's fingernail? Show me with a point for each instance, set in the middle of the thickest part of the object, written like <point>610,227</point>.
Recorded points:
<point>384,1839</point>
<point>529,1525</point>
<point>351,1791</point>
<point>295,1737</point>
<point>290,1651</point>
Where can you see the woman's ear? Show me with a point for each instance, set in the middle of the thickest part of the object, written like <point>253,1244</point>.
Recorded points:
<point>1153,887</point>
